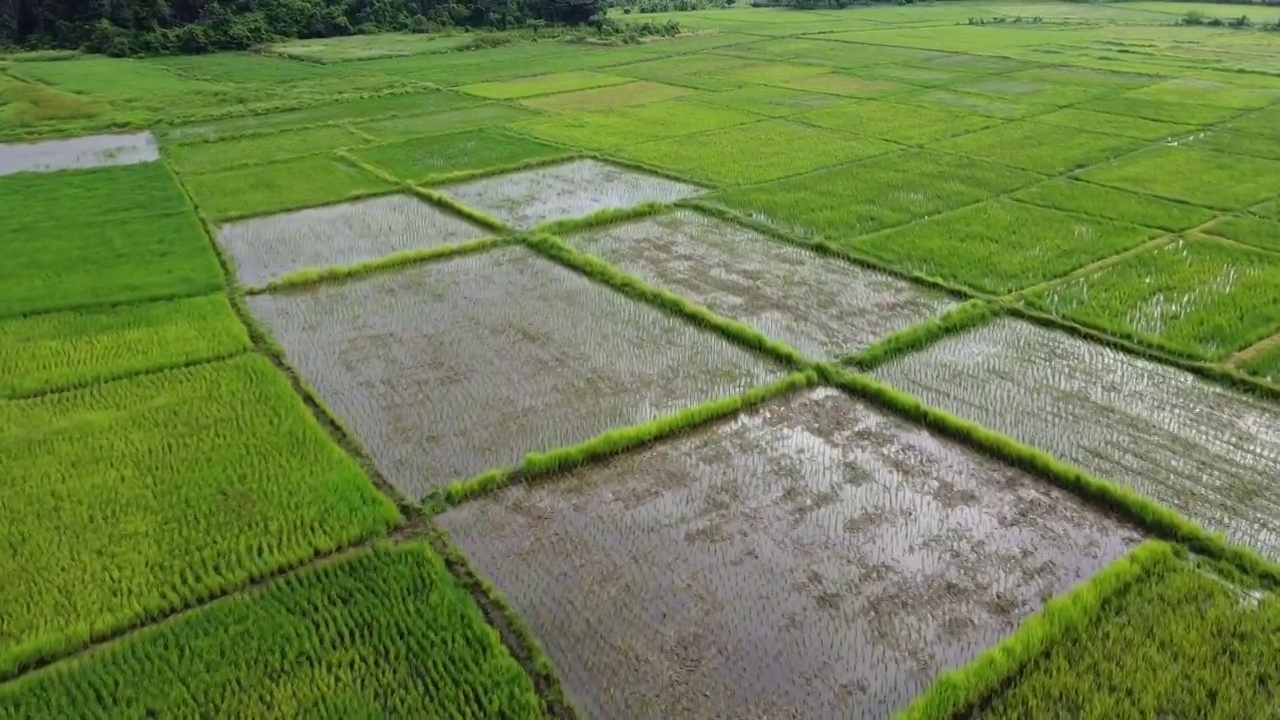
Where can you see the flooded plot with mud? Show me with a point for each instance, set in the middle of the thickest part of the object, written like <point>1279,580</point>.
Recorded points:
<point>822,306</point>
<point>80,153</point>
<point>812,558</point>
<point>265,248</point>
<point>574,189</point>
<point>447,369</point>
<point>1212,454</point>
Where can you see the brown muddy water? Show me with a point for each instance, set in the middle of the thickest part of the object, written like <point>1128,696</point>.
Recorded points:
<point>813,558</point>
<point>448,369</point>
<point>1210,453</point>
<point>821,306</point>
<point>265,248</point>
<point>79,153</point>
<point>575,189</point>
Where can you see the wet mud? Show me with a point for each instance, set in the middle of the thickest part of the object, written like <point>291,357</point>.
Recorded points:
<point>265,248</point>
<point>1212,454</point>
<point>813,558</point>
<point>574,189</point>
<point>821,306</point>
<point>448,369</point>
<point>79,153</point>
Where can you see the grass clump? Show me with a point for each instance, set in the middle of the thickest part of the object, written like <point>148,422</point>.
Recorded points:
<point>437,158</point>
<point>216,475</point>
<point>24,104</point>
<point>1249,230</point>
<point>964,690</point>
<point>1265,364</point>
<point>1199,177</point>
<point>615,442</point>
<point>1046,149</point>
<point>898,123</point>
<point>843,203</point>
<point>542,85</point>
<point>99,237</point>
<point>289,185</point>
<point>1114,204</point>
<point>1197,297</point>
<point>1180,641</point>
<point>386,632</point>
<point>1001,246</point>
<point>196,158</point>
<point>64,350</point>
<point>778,149</point>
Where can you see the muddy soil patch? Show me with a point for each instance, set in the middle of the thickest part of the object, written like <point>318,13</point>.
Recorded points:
<point>814,558</point>
<point>448,369</point>
<point>574,189</point>
<point>822,306</point>
<point>267,248</point>
<point>1210,453</point>
<point>78,153</point>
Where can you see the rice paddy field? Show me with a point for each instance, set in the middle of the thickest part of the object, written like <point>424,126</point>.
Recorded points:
<point>915,362</point>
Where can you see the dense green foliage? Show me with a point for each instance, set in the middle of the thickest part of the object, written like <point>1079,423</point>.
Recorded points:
<point>1180,642</point>
<point>62,350</point>
<point>380,633</point>
<point>130,499</point>
<point>138,27</point>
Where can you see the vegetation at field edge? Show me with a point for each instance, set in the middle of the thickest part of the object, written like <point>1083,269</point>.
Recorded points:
<point>385,632</point>
<point>1249,230</point>
<point>962,317</point>
<point>59,351</point>
<point>216,474</point>
<point>962,691</point>
<point>311,276</point>
<point>1180,641</point>
<point>1115,204</point>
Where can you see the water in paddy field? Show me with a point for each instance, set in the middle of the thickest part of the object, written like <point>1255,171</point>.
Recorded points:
<point>812,558</point>
<point>445,370</point>
<point>265,248</point>
<point>1210,453</point>
<point>79,153</point>
<point>582,187</point>
<point>822,306</point>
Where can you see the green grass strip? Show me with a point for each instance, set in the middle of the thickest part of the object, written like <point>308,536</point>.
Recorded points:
<point>962,690</point>
<point>620,440</point>
<point>831,249</point>
<point>602,218</point>
<point>1224,375</point>
<point>311,276</point>
<point>597,269</point>
<point>1154,517</point>
<point>448,204</point>
<point>457,176</point>
<point>962,317</point>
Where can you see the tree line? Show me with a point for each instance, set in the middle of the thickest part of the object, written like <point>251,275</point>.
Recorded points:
<point>146,27</point>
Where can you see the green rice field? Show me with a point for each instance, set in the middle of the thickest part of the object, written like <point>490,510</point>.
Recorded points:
<point>905,361</point>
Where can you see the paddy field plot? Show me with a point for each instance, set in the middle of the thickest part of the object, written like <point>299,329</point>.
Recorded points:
<point>1001,246</point>
<point>1028,90</point>
<point>1247,229</point>
<point>466,118</point>
<point>134,498</point>
<point>427,159</point>
<point>612,128</point>
<point>62,350</point>
<point>1046,149</point>
<point>844,202</point>
<point>842,84</point>
<point>1197,296</point>
<point>1205,451</point>
<point>821,306</point>
<point>898,123</point>
<point>810,558</point>
<point>264,189</point>
<point>78,153</point>
<point>574,189</point>
<point>1000,108</point>
<point>207,157</point>
<point>1235,143</point>
<point>1115,204</point>
<point>771,101</point>
<point>1180,641</point>
<point>637,92</point>
<point>385,632</point>
<point>365,47</point>
<point>541,85</point>
<point>1170,111</point>
<point>449,369</point>
<point>1100,122</point>
<point>1201,177</point>
<point>267,248</point>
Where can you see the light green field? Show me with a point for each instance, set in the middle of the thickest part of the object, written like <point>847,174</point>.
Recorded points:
<point>180,498</point>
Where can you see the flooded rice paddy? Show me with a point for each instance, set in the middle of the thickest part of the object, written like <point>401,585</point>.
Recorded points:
<point>265,248</point>
<point>574,189</point>
<point>813,558</point>
<point>822,306</point>
<point>78,153</point>
<point>1212,454</point>
<point>447,369</point>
